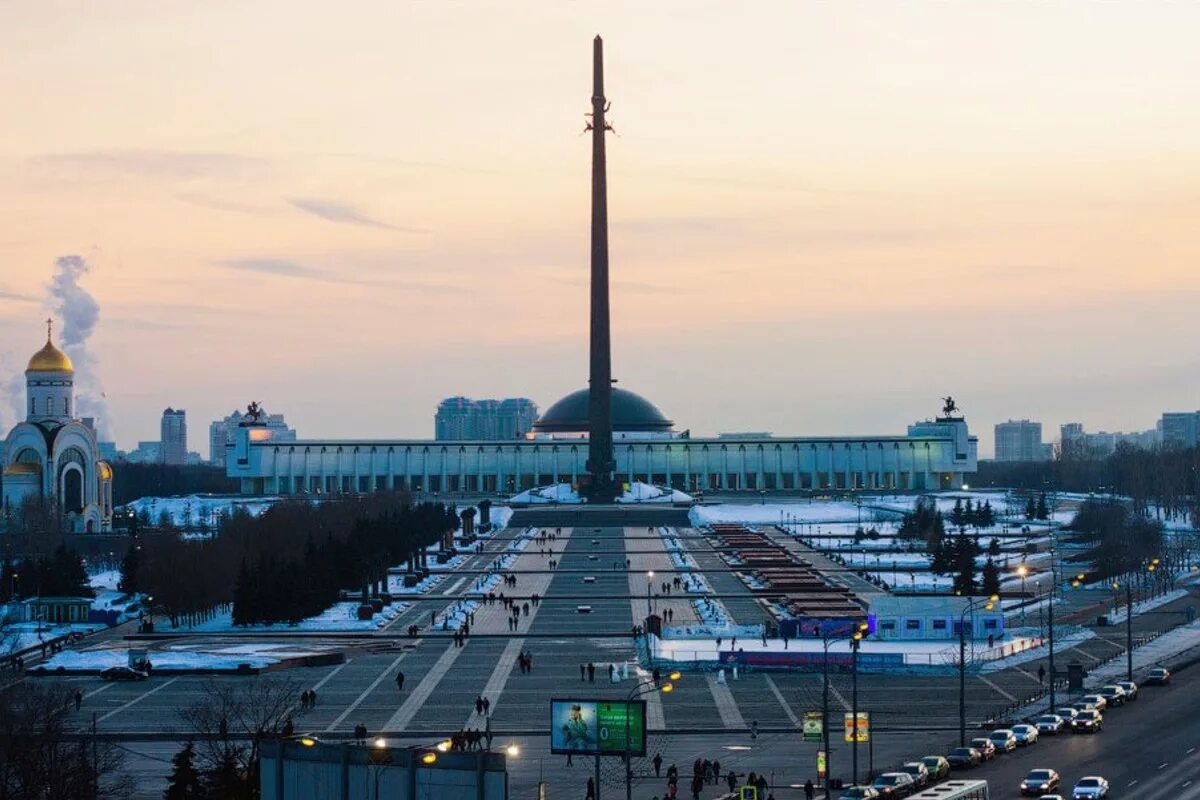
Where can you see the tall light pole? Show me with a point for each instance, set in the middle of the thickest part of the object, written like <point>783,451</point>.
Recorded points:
<point>986,604</point>
<point>1023,571</point>
<point>855,641</point>
<point>649,578</point>
<point>639,691</point>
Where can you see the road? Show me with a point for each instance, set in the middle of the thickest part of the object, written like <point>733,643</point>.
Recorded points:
<point>1148,749</point>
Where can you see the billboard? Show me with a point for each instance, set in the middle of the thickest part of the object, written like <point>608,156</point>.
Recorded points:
<point>864,727</point>
<point>597,727</point>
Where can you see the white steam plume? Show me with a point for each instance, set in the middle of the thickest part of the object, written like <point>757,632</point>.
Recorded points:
<point>78,313</point>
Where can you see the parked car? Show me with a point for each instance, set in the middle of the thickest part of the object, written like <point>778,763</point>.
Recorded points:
<point>1113,695</point>
<point>1131,689</point>
<point>123,673</point>
<point>1004,740</point>
<point>1040,781</point>
<point>919,773</point>
<point>1051,797</point>
<point>985,746</point>
<point>964,757</point>
<point>894,784</point>
<point>1084,705</point>
<point>938,767</point>
<point>1096,700</point>
<point>1159,676</point>
<point>1068,713</point>
<point>1092,787</point>
<point>1026,734</point>
<point>1087,722</point>
<point>1050,723</point>
<point>859,793</point>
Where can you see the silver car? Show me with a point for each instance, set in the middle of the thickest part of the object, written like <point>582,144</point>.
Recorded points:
<point>1026,734</point>
<point>1004,739</point>
<point>1050,723</point>
<point>1092,787</point>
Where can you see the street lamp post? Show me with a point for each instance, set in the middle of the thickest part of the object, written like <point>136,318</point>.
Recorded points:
<point>987,604</point>
<point>1023,571</point>
<point>855,641</point>
<point>649,578</point>
<point>636,692</point>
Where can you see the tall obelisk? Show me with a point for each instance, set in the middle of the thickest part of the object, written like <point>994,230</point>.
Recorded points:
<point>601,465</point>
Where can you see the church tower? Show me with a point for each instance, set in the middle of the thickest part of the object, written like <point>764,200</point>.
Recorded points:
<point>50,384</point>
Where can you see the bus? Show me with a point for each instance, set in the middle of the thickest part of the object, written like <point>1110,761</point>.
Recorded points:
<point>954,790</point>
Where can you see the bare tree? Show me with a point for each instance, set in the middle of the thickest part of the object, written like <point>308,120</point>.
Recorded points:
<point>235,716</point>
<point>41,758</point>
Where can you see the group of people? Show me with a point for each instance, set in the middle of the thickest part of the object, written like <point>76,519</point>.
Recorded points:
<point>471,739</point>
<point>308,699</point>
<point>707,773</point>
<point>525,661</point>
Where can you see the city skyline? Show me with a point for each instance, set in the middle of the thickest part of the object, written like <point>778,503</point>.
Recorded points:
<point>417,198</point>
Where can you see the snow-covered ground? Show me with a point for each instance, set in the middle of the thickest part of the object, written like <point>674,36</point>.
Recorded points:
<point>19,636</point>
<point>917,653</point>
<point>182,657</point>
<point>563,493</point>
<point>339,617</point>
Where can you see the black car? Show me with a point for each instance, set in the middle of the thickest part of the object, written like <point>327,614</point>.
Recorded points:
<point>1087,722</point>
<point>1040,782</point>
<point>122,673</point>
<point>1159,676</point>
<point>964,757</point>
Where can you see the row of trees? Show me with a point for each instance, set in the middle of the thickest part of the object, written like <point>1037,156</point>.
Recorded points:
<point>131,481</point>
<point>60,574</point>
<point>970,515</point>
<point>289,588</point>
<point>1162,481</point>
<point>287,563</point>
<point>1120,538</point>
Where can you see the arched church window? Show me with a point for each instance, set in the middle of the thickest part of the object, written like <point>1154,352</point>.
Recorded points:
<point>49,406</point>
<point>66,406</point>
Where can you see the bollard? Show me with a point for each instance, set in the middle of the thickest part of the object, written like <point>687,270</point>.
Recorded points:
<point>735,672</point>
<point>721,676</point>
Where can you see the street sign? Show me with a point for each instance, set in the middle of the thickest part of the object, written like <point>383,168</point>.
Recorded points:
<point>864,727</point>
<point>813,726</point>
<point>820,763</point>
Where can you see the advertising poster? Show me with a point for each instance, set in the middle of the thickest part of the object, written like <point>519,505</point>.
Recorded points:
<point>590,727</point>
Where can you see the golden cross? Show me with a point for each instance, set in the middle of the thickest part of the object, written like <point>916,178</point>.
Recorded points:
<point>49,327</point>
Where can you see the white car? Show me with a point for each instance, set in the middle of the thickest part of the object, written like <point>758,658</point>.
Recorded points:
<point>1050,723</point>
<point>1026,734</point>
<point>1131,689</point>
<point>1097,701</point>
<point>1068,713</point>
<point>1092,787</point>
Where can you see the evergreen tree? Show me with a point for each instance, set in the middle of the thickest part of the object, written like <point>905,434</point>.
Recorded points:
<point>991,578</point>
<point>1042,511</point>
<point>957,517</point>
<point>965,551</point>
<point>225,779</point>
<point>987,517</point>
<point>129,569</point>
<point>184,781</point>
<point>969,515</point>
<point>994,548</point>
<point>1030,509</point>
<point>244,612</point>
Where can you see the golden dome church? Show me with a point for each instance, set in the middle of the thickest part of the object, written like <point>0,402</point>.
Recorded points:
<point>53,454</point>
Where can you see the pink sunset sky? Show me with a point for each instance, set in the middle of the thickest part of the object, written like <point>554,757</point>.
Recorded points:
<point>824,216</point>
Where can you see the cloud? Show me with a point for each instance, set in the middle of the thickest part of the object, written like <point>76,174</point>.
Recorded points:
<point>343,212</point>
<point>17,297</point>
<point>153,163</point>
<point>220,204</point>
<point>277,266</point>
<point>351,276</point>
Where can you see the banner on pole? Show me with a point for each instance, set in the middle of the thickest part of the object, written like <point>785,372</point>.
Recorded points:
<point>863,732</point>
<point>820,763</point>
<point>814,727</point>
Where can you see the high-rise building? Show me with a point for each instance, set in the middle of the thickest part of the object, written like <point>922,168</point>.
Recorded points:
<point>461,418</point>
<point>1181,428</point>
<point>173,439</point>
<point>1075,441</point>
<point>1019,440</point>
<point>221,432</point>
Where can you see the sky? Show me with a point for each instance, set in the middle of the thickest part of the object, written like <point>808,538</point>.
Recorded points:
<point>824,216</point>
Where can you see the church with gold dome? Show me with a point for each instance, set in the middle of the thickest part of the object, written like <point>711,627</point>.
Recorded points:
<point>53,454</point>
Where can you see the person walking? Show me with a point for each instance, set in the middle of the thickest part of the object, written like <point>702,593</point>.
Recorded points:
<point>487,707</point>
<point>400,681</point>
<point>583,672</point>
<point>697,787</point>
<point>657,764</point>
<point>591,789</point>
<point>716,771</point>
<point>1041,673</point>
<point>809,790</point>
<point>591,668</point>
<point>78,699</point>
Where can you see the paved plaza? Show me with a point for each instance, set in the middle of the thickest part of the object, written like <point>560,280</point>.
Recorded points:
<point>604,567</point>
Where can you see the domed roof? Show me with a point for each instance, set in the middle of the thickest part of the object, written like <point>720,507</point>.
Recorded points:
<point>630,412</point>
<point>105,470</point>
<point>50,359</point>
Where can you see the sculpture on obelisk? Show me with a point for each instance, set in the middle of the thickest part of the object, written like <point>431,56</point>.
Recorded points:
<point>601,466</point>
